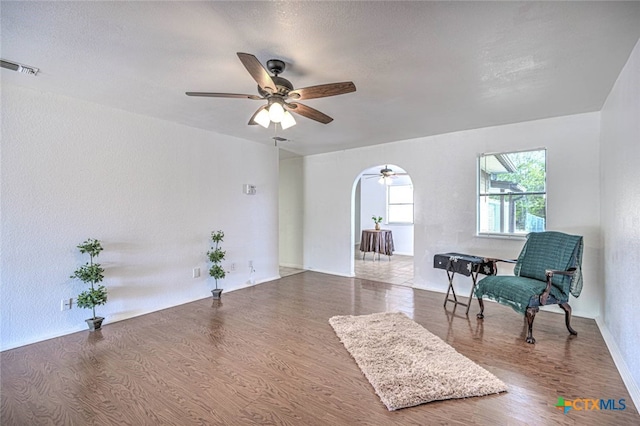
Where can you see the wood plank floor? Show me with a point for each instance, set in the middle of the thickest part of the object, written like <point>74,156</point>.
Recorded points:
<point>267,355</point>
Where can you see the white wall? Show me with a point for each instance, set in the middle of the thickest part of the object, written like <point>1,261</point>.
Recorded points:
<point>152,191</point>
<point>443,169</point>
<point>290,212</point>
<point>620,148</point>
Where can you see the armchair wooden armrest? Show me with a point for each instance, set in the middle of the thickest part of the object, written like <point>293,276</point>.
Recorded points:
<point>550,273</point>
<point>503,260</point>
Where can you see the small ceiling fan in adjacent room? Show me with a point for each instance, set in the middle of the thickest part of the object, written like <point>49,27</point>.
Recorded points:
<point>385,176</point>
<point>280,94</point>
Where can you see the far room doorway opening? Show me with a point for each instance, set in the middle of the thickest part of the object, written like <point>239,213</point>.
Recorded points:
<point>383,191</point>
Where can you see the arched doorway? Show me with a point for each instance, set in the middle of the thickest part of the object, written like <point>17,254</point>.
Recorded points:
<point>384,191</point>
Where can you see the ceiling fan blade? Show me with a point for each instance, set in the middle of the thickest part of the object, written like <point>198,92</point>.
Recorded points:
<point>257,71</point>
<point>252,119</point>
<point>223,95</point>
<point>323,90</point>
<point>308,112</point>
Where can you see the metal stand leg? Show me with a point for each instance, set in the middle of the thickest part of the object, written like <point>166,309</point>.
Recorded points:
<point>451,290</point>
<point>466,265</point>
<point>474,278</point>
<point>450,275</point>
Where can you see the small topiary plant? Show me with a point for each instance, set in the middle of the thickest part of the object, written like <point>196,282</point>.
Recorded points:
<point>91,273</point>
<point>216,256</point>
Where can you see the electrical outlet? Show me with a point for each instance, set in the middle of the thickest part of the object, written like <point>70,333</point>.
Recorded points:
<point>66,304</point>
<point>196,272</point>
<point>233,266</point>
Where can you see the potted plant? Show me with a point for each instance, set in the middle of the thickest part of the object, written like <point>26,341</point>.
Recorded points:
<point>91,273</point>
<point>216,256</point>
<point>377,220</point>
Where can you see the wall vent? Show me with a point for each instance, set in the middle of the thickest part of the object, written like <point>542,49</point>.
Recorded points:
<point>14,66</point>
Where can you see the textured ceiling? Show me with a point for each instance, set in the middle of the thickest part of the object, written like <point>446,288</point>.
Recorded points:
<point>420,68</point>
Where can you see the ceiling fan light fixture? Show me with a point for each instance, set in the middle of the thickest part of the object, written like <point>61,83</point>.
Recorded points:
<point>262,118</point>
<point>276,91</point>
<point>287,120</point>
<point>276,112</point>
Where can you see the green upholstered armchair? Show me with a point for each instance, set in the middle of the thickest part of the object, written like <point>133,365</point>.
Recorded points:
<point>546,272</point>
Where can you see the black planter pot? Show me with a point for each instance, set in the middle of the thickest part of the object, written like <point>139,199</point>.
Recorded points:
<point>217,293</point>
<point>94,323</point>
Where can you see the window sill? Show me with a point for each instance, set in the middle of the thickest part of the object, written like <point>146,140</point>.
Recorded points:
<point>517,237</point>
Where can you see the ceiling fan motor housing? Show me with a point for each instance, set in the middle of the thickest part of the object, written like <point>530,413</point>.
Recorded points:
<point>283,86</point>
<point>276,66</point>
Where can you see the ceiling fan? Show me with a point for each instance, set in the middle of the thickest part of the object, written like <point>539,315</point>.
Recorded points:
<point>280,94</point>
<point>385,172</point>
<point>386,175</point>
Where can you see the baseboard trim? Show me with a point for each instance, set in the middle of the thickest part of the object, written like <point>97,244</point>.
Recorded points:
<point>266,280</point>
<point>45,337</point>
<point>618,360</point>
<point>250,284</point>
<point>322,271</point>
<point>291,265</point>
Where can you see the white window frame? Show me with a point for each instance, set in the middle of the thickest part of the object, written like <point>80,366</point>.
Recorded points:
<point>389,219</point>
<point>480,194</point>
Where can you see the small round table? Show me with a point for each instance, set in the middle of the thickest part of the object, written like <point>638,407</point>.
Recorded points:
<point>376,241</point>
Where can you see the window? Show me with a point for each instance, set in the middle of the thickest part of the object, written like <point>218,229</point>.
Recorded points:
<point>400,204</point>
<point>512,193</point>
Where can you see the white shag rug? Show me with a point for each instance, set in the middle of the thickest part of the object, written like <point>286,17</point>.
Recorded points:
<point>406,364</point>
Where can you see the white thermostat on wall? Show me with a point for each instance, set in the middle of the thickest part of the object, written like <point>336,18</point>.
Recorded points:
<point>249,189</point>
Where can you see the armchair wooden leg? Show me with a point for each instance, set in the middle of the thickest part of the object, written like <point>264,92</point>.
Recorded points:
<point>481,303</point>
<point>531,314</point>
<point>567,318</point>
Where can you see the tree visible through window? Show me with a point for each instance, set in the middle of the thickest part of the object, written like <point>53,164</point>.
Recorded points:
<point>400,204</point>
<point>512,192</point>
